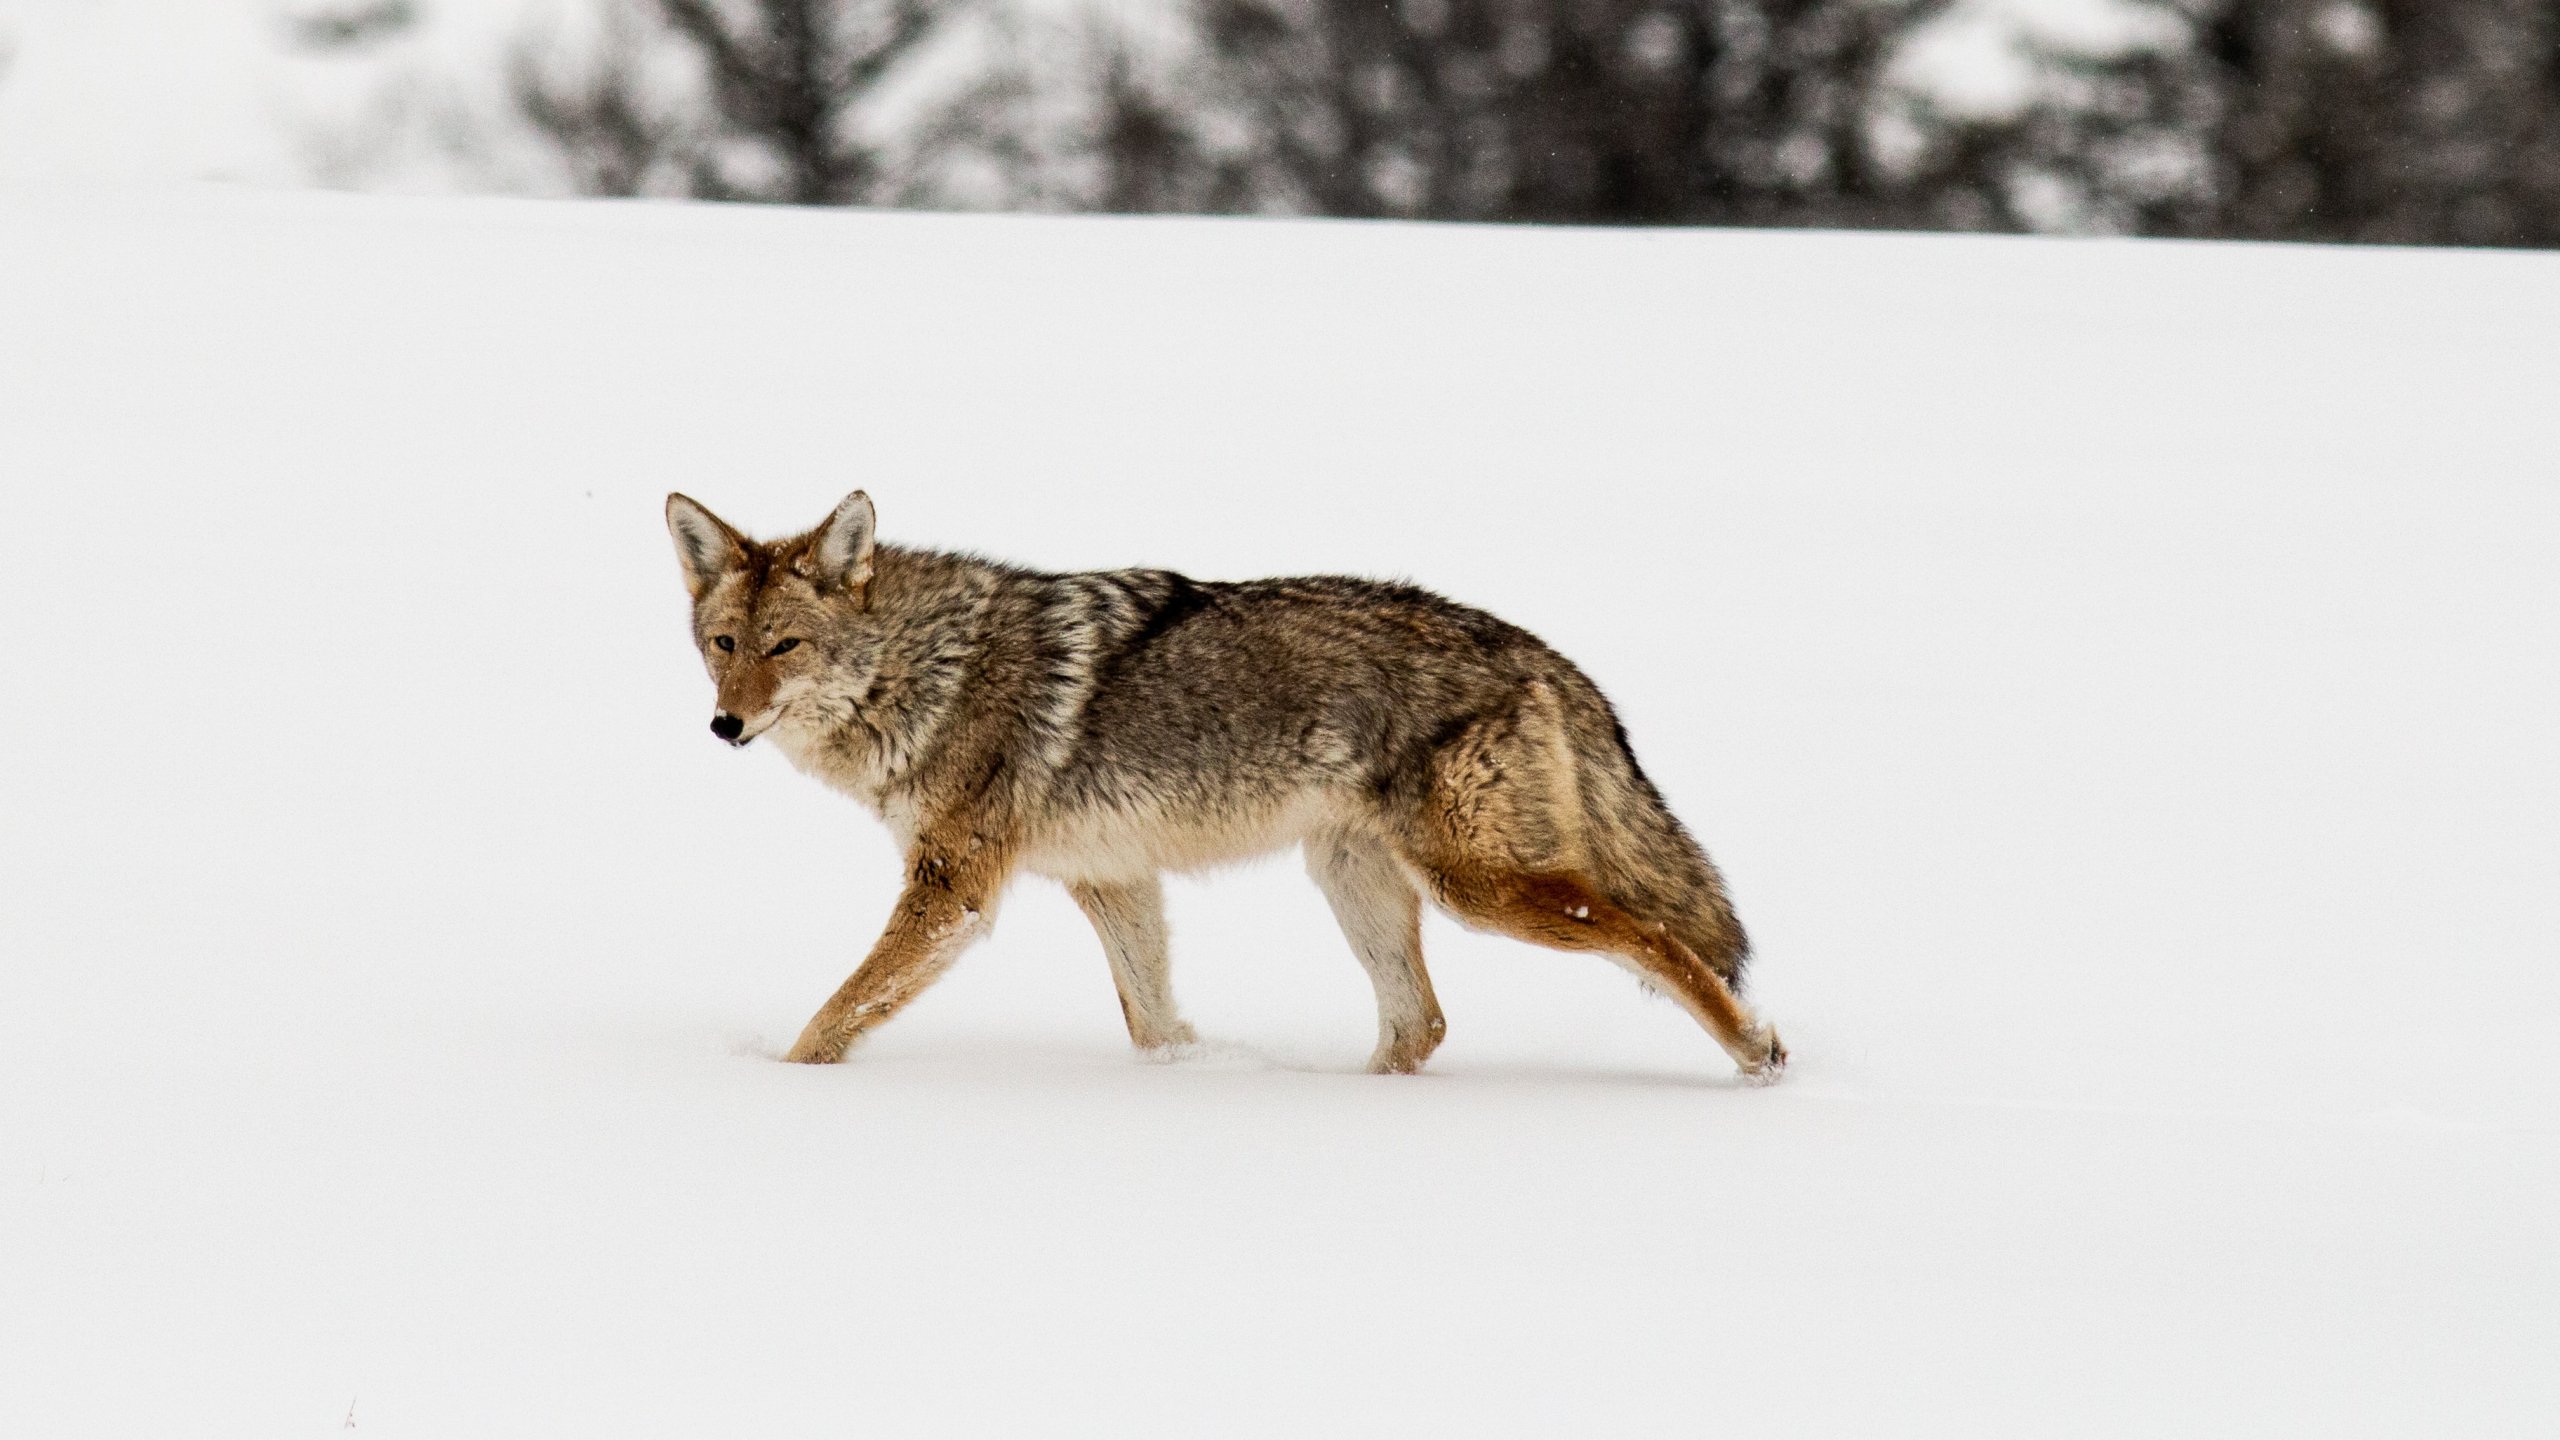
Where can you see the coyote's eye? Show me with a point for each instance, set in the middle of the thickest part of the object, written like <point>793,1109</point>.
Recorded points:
<point>724,642</point>
<point>785,645</point>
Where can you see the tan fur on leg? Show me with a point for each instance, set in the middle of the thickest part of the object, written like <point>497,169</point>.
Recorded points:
<point>1381,915</point>
<point>1130,920</point>
<point>1564,911</point>
<point>949,895</point>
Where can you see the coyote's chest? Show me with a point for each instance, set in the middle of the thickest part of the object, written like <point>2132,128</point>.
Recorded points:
<point>855,771</point>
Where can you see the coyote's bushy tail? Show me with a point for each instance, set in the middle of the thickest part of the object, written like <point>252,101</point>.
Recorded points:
<point>1646,858</point>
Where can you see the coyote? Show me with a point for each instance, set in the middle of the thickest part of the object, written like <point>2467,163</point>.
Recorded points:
<point>1103,728</point>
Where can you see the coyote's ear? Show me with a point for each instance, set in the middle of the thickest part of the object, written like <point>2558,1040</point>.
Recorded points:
<point>705,545</point>
<point>841,555</point>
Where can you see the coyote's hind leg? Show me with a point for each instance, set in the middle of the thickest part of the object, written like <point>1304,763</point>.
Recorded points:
<point>1565,912</point>
<point>1381,915</point>
<point>1130,920</point>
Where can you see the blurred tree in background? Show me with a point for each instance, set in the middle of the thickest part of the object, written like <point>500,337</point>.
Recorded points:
<point>1744,112</point>
<point>2416,121</point>
<point>2403,121</point>
<point>612,126</point>
<point>762,101</point>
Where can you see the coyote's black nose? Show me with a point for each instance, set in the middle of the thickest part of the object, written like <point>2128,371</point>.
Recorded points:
<point>727,726</point>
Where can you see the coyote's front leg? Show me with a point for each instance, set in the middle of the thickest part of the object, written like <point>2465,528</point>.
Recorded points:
<point>950,892</point>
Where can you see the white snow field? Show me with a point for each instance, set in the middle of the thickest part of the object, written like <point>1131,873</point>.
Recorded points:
<point>2120,680</point>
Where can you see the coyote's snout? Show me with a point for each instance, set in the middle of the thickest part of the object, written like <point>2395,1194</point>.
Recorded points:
<point>1102,729</point>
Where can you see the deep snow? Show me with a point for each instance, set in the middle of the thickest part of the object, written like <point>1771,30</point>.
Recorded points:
<point>2119,679</point>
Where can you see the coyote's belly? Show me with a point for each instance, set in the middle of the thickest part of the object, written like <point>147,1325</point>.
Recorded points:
<point>1132,841</point>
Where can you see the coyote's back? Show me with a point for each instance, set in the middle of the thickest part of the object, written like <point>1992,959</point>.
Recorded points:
<point>1104,728</point>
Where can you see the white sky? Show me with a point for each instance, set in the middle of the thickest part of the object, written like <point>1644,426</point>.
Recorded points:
<point>161,90</point>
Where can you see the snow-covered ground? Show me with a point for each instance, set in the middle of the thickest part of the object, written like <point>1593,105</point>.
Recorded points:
<point>2119,679</point>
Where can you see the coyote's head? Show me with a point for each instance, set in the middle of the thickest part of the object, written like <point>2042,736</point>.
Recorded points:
<point>778,624</point>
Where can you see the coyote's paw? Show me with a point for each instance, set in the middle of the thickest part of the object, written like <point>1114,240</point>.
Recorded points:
<point>1402,1059</point>
<point>815,1048</point>
<point>1172,1042</point>
<point>1406,1046</point>
<point>1771,1067</point>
